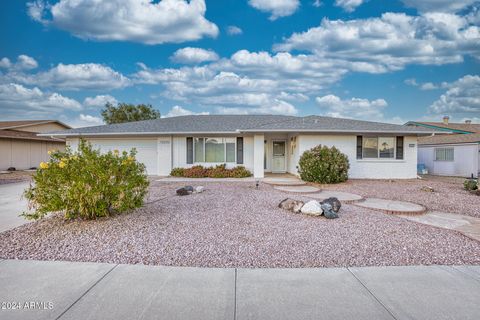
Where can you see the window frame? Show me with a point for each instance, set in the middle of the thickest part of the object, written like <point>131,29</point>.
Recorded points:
<point>223,139</point>
<point>394,155</point>
<point>444,149</point>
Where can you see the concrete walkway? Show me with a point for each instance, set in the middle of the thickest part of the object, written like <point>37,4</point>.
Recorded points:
<point>11,205</point>
<point>392,206</point>
<point>72,290</point>
<point>469,226</point>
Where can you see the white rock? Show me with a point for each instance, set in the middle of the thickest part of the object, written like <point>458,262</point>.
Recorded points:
<point>312,207</point>
<point>199,189</point>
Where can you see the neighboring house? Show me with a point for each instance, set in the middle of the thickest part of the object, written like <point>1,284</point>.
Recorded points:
<point>21,148</point>
<point>261,143</point>
<point>456,153</point>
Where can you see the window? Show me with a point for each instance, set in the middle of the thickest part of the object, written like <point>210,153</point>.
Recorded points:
<point>378,147</point>
<point>214,150</point>
<point>386,147</point>
<point>230,149</point>
<point>444,154</point>
<point>199,150</point>
<point>370,147</point>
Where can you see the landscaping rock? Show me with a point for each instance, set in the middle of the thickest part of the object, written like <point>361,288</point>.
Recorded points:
<point>199,189</point>
<point>334,202</point>
<point>188,188</point>
<point>291,205</point>
<point>312,207</point>
<point>328,211</point>
<point>427,189</point>
<point>182,192</point>
<point>11,169</point>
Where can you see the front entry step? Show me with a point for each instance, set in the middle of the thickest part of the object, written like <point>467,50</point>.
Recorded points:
<point>285,181</point>
<point>298,189</point>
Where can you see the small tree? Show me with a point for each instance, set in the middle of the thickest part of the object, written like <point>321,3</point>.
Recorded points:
<point>125,112</point>
<point>322,164</point>
<point>87,184</point>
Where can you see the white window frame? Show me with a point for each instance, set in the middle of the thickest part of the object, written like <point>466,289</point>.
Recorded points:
<point>378,148</point>
<point>444,149</point>
<point>224,150</point>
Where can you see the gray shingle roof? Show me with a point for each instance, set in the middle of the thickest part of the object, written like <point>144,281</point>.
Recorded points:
<point>241,123</point>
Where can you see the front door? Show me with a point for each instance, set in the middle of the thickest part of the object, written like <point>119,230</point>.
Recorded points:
<point>278,159</point>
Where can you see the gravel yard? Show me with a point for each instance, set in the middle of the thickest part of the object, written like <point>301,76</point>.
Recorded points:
<point>449,195</point>
<point>15,176</point>
<point>235,225</point>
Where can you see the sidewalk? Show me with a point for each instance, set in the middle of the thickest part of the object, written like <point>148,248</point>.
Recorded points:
<point>107,291</point>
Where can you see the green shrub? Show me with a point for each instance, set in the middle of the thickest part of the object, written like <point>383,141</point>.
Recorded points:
<point>219,171</point>
<point>87,184</point>
<point>177,172</point>
<point>470,184</point>
<point>322,164</point>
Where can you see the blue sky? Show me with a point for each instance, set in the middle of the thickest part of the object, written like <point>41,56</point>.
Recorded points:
<point>377,60</point>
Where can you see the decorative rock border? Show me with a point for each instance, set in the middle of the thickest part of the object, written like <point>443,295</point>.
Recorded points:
<point>391,206</point>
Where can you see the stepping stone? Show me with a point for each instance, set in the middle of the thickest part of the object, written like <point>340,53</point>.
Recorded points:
<point>345,197</point>
<point>469,226</point>
<point>391,206</point>
<point>283,181</point>
<point>297,189</point>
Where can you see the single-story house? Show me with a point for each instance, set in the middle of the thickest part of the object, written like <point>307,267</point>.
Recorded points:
<point>456,153</point>
<point>21,147</point>
<point>261,143</point>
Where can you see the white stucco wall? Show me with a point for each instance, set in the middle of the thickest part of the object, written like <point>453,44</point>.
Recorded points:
<point>179,154</point>
<point>366,168</point>
<point>466,160</point>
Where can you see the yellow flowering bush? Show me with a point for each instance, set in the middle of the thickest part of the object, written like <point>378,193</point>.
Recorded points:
<point>87,184</point>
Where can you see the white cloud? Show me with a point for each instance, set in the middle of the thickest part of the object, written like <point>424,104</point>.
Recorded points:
<point>462,97</point>
<point>428,86</point>
<point>193,55</point>
<point>179,111</point>
<point>356,108</point>
<point>33,102</point>
<point>277,8</point>
<point>389,42</point>
<point>317,3</point>
<point>411,82</point>
<point>23,62</point>
<point>90,76</point>
<point>90,119</point>
<point>348,5</point>
<point>145,21</point>
<point>438,5</point>
<point>99,101</point>
<point>234,30</point>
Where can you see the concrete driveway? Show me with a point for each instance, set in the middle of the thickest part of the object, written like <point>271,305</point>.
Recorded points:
<point>11,205</point>
<point>84,290</point>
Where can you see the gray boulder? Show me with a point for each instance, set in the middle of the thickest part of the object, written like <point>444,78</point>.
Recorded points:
<point>291,205</point>
<point>188,188</point>
<point>328,211</point>
<point>334,202</point>
<point>312,207</point>
<point>182,192</point>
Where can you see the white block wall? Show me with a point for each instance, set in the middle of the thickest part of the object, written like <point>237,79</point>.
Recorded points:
<point>366,168</point>
<point>466,160</point>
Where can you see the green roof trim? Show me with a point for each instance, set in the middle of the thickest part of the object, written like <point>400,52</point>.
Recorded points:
<point>436,127</point>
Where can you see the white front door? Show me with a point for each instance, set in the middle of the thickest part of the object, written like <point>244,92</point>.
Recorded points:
<point>278,159</point>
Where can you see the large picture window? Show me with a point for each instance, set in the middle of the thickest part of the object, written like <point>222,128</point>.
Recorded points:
<point>444,154</point>
<point>378,147</point>
<point>214,150</point>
